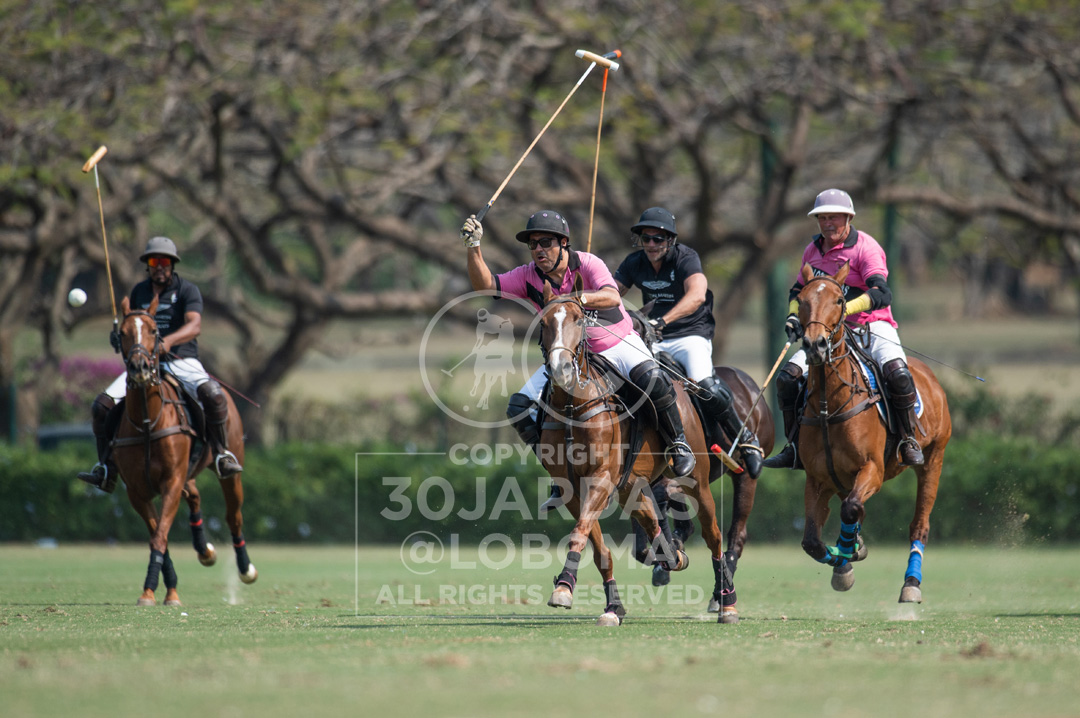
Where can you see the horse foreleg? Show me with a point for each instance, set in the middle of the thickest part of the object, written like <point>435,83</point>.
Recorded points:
<point>205,550</point>
<point>168,572</point>
<point>929,474</point>
<point>589,506</point>
<point>234,501</point>
<point>613,608</point>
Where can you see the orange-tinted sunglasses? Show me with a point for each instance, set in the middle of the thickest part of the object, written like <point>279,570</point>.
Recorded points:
<point>159,261</point>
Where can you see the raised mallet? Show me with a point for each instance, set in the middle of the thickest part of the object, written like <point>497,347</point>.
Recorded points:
<point>92,163</point>
<point>594,60</point>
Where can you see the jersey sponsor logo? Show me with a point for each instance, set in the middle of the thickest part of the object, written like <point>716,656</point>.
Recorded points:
<point>656,285</point>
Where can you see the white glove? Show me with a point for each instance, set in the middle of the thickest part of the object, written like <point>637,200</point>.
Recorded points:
<point>472,231</point>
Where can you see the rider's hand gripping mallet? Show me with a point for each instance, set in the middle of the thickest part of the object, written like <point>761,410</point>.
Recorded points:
<point>93,162</point>
<point>594,61</point>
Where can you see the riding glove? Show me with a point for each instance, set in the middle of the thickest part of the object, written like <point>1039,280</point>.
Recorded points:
<point>658,326</point>
<point>114,339</point>
<point>472,231</point>
<point>793,327</point>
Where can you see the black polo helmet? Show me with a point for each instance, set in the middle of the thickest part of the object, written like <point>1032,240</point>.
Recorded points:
<point>545,220</point>
<point>160,245</point>
<point>657,217</point>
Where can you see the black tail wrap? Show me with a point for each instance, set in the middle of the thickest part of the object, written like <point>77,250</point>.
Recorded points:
<point>153,571</point>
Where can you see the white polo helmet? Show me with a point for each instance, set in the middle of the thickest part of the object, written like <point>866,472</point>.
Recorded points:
<point>833,201</point>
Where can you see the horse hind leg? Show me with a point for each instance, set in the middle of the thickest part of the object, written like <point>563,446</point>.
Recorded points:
<point>234,500</point>
<point>204,549</point>
<point>614,611</point>
<point>168,573</point>
<point>929,475</point>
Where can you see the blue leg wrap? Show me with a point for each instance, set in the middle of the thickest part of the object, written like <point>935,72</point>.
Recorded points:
<point>833,557</point>
<point>914,562</point>
<point>846,543</point>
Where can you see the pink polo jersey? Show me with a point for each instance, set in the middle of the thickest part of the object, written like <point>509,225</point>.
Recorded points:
<point>866,258</point>
<point>527,282</point>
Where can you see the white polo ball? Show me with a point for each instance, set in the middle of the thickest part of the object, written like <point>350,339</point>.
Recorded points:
<point>76,297</point>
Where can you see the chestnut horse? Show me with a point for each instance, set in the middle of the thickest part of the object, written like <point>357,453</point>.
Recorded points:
<point>845,446</point>
<point>152,450</point>
<point>589,415</point>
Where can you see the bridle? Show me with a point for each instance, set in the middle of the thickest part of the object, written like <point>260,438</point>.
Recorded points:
<point>835,333</point>
<point>153,359</point>
<point>579,357</point>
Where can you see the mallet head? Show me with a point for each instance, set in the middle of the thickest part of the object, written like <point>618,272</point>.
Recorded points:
<point>602,60</point>
<point>94,158</point>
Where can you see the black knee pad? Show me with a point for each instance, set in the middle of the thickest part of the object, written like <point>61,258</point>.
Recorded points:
<point>789,384</point>
<point>212,398</point>
<point>898,377</point>
<point>718,390</point>
<point>653,381</point>
<point>518,407</point>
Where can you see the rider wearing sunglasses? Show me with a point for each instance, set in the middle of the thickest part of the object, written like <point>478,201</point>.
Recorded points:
<point>611,334</point>
<point>179,321</point>
<point>669,275</point>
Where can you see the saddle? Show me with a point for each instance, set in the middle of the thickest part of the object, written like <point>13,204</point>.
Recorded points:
<point>192,422</point>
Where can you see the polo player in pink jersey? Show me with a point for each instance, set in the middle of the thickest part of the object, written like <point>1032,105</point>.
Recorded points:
<point>869,303</point>
<point>611,334</point>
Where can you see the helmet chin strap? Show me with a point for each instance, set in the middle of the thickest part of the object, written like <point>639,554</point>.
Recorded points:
<point>558,260</point>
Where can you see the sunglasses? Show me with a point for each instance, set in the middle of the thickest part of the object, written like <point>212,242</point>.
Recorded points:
<point>159,261</point>
<point>653,238</point>
<point>545,242</point>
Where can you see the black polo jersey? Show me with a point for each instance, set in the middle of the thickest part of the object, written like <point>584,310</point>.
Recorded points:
<point>667,287</point>
<point>177,299</point>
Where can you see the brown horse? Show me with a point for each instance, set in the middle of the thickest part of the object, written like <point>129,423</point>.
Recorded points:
<point>846,448</point>
<point>589,415</point>
<point>152,450</point>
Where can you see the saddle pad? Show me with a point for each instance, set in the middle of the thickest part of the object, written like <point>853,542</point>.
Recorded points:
<point>871,381</point>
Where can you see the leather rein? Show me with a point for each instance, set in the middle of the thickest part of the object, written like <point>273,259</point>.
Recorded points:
<point>837,353</point>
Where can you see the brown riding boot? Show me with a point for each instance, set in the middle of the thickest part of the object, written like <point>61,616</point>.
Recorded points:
<point>105,415</point>
<point>217,415</point>
<point>902,396</point>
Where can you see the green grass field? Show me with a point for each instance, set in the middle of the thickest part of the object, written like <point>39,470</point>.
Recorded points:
<point>337,631</point>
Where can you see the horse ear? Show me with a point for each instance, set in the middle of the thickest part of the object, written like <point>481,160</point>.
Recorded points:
<point>549,293</point>
<point>125,306</point>
<point>841,275</point>
<point>152,309</point>
<point>807,273</point>
<point>579,285</point>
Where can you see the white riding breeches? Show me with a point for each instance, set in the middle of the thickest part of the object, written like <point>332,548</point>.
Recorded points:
<point>625,355</point>
<point>884,346</point>
<point>693,352</point>
<point>189,371</point>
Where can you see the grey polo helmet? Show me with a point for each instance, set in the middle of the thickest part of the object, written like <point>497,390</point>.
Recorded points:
<point>833,201</point>
<point>545,220</point>
<point>160,245</point>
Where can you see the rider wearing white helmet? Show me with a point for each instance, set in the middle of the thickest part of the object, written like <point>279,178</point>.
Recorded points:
<point>869,301</point>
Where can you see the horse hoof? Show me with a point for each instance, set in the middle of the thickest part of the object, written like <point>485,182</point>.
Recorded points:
<point>714,605</point>
<point>173,602</point>
<point>843,577</point>
<point>729,615</point>
<point>251,574</point>
<point>561,597</point>
<point>660,575</point>
<point>210,557</point>
<point>862,552</point>
<point>146,602</point>
<point>609,619</point>
<point>911,594</point>
<point>684,560</point>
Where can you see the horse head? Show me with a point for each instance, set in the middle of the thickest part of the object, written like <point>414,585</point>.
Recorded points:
<point>140,344</point>
<point>821,311</point>
<point>562,328</point>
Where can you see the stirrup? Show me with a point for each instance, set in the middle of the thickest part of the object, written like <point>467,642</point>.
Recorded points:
<point>228,470</point>
<point>910,442</point>
<point>553,502</point>
<point>672,454</point>
<point>99,477</point>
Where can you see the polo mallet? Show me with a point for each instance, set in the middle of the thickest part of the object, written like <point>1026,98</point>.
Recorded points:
<point>93,162</point>
<point>599,125</point>
<point>595,60</point>
<point>761,393</point>
<point>450,372</point>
